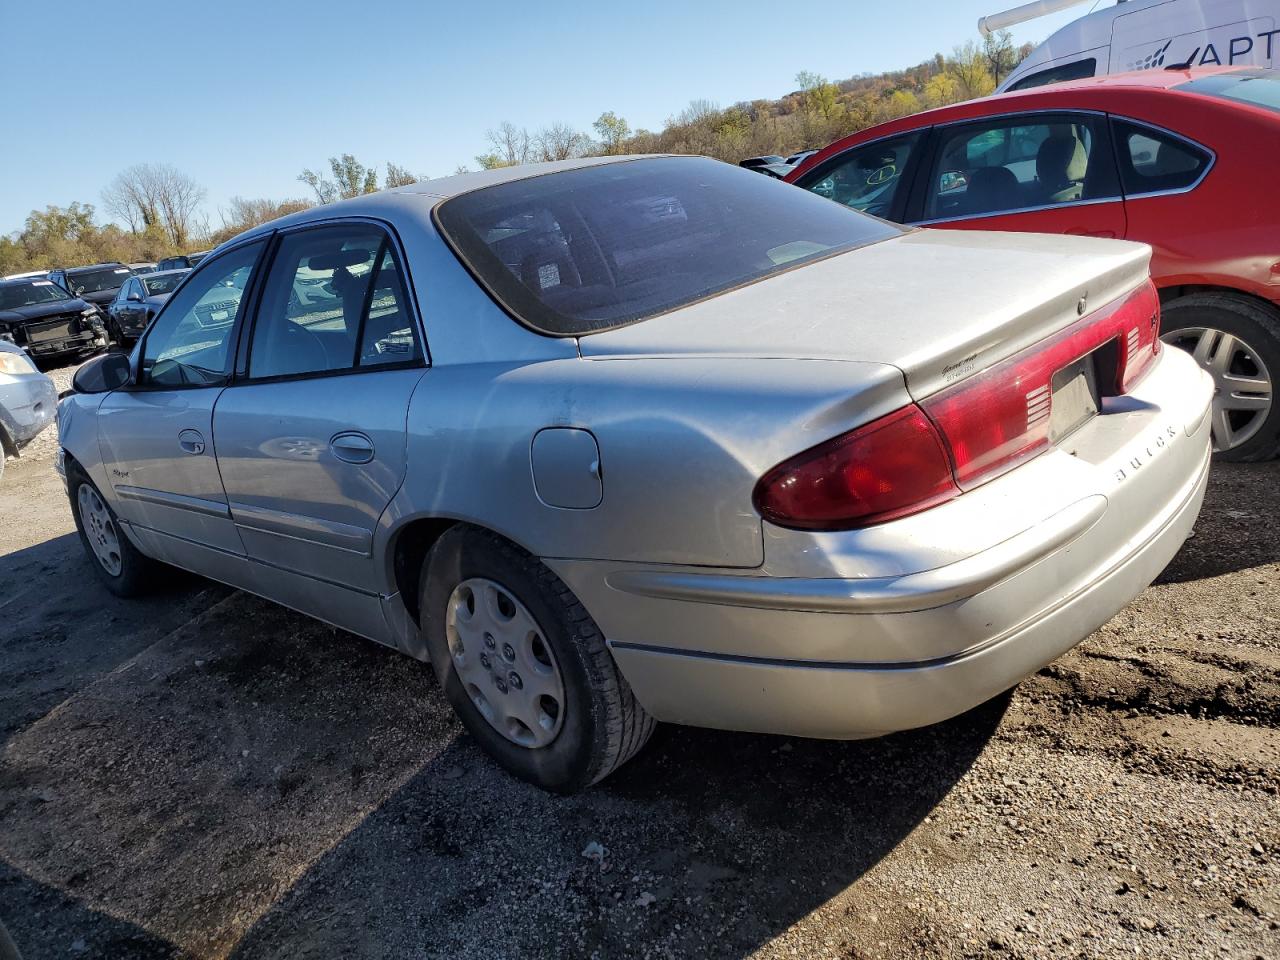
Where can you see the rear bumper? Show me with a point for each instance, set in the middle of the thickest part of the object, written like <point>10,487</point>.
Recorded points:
<point>810,645</point>
<point>849,700</point>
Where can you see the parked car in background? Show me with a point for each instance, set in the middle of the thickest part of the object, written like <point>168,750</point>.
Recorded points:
<point>679,443</point>
<point>798,158</point>
<point>138,301</point>
<point>138,268</point>
<point>1143,35</point>
<point>755,163</point>
<point>96,284</point>
<point>28,401</point>
<point>46,321</point>
<point>1175,159</point>
<point>182,261</point>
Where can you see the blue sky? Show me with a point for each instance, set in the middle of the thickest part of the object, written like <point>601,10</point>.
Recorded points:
<point>243,95</point>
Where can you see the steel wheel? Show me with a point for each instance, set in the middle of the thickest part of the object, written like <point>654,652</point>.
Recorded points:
<point>1242,393</point>
<point>505,663</point>
<point>100,529</point>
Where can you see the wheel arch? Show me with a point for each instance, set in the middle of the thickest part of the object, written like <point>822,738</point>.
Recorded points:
<point>410,544</point>
<point>1178,291</point>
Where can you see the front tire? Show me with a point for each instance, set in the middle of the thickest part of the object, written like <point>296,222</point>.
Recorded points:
<point>1237,342</point>
<point>524,666</point>
<point>121,567</point>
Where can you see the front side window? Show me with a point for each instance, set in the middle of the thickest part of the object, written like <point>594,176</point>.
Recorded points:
<point>867,178</point>
<point>189,343</point>
<point>1076,70</point>
<point>1003,166</point>
<point>29,293</point>
<point>1152,161</point>
<point>333,300</point>
<point>599,247</point>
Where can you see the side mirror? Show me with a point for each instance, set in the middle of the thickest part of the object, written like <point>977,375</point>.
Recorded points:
<point>952,180</point>
<point>102,374</point>
<point>134,297</point>
<point>79,289</point>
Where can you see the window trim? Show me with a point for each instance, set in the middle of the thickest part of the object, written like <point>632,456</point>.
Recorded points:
<point>910,170</point>
<point>1103,129</point>
<point>1113,118</point>
<point>233,337</point>
<point>390,241</point>
<point>1020,85</point>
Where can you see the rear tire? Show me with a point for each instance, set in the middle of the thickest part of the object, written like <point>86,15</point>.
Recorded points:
<point>1236,341</point>
<point>121,567</point>
<point>596,726</point>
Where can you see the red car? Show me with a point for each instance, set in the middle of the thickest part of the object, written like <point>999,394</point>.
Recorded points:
<point>1182,160</point>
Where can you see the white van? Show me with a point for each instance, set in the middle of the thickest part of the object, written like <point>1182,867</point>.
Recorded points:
<point>1144,35</point>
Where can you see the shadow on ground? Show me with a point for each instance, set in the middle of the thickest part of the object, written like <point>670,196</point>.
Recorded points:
<point>257,784</point>
<point>1239,514</point>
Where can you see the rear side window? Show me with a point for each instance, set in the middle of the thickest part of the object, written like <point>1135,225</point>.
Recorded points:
<point>1076,70</point>
<point>1153,161</point>
<point>333,300</point>
<point>599,247</point>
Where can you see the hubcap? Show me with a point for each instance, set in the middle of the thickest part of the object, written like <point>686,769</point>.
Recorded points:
<point>504,662</point>
<point>100,530</point>
<point>1242,392</point>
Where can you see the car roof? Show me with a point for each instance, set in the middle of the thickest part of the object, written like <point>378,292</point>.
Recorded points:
<point>1154,80</point>
<point>92,266</point>
<point>433,191</point>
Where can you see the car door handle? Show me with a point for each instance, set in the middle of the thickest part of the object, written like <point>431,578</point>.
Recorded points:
<point>191,442</point>
<point>352,447</point>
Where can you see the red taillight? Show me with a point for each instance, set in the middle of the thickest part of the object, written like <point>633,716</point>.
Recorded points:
<point>961,436</point>
<point>886,469</point>
<point>1138,321</point>
<point>996,419</point>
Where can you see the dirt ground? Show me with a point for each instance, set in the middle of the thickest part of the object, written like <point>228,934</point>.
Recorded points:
<point>203,774</point>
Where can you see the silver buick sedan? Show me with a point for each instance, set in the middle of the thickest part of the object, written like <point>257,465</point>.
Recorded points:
<point>623,440</point>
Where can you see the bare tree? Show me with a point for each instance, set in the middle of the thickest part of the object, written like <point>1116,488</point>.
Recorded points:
<point>155,194</point>
<point>510,145</point>
<point>561,142</point>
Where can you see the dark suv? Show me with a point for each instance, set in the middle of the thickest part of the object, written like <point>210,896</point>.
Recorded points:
<point>42,317</point>
<point>98,284</point>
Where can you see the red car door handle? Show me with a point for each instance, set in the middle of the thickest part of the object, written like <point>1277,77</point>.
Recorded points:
<point>1081,232</point>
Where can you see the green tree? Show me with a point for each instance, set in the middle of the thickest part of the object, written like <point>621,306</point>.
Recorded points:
<point>351,178</point>
<point>397,176</point>
<point>612,130</point>
<point>969,67</point>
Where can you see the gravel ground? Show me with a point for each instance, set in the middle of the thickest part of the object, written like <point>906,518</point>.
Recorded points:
<point>203,774</point>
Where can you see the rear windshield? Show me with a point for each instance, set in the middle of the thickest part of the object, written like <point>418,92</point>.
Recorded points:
<point>30,293</point>
<point>165,284</point>
<point>95,281</point>
<point>1261,88</point>
<point>586,250</point>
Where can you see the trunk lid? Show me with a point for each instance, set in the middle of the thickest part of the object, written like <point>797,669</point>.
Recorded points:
<point>938,304</point>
